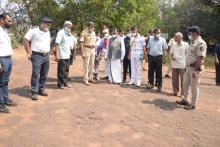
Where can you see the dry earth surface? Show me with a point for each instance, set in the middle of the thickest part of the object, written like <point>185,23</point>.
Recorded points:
<point>104,115</point>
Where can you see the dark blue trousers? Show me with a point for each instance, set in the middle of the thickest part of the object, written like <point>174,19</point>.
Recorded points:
<point>5,73</point>
<point>40,68</point>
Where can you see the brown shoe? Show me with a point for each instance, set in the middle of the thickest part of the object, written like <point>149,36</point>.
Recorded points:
<point>189,107</point>
<point>92,81</point>
<point>86,83</point>
<point>182,102</point>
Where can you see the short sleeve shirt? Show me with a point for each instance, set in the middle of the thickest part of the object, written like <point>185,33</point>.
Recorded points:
<point>40,40</point>
<point>5,43</point>
<point>137,43</point>
<point>88,38</point>
<point>179,53</point>
<point>197,48</point>
<point>65,42</point>
<point>156,46</point>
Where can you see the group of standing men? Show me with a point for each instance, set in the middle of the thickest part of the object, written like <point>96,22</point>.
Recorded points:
<point>117,49</point>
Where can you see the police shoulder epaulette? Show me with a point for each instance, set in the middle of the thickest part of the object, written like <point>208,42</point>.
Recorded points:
<point>33,27</point>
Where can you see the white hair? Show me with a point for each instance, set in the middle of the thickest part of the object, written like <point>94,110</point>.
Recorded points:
<point>179,34</point>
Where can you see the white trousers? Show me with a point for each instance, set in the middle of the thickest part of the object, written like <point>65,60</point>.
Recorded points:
<point>136,66</point>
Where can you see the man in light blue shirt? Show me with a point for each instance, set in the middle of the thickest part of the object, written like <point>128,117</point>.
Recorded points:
<point>155,48</point>
<point>64,43</point>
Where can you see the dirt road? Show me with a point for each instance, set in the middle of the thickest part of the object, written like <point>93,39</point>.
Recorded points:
<point>105,115</point>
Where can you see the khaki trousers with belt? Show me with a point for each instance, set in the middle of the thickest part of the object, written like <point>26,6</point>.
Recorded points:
<point>190,81</point>
<point>88,64</point>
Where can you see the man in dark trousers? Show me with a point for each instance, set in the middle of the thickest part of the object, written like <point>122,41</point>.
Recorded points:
<point>155,47</point>
<point>217,64</point>
<point>127,61</point>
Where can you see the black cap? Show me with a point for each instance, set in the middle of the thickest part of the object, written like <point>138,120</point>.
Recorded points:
<point>195,29</point>
<point>46,20</point>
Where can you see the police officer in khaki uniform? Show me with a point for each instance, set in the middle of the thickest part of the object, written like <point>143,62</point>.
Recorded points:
<point>194,67</point>
<point>88,45</point>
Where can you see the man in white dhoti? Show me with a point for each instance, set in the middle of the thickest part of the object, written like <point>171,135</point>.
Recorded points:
<point>115,54</point>
<point>137,48</point>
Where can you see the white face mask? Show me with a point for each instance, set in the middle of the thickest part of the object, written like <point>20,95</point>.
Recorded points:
<point>190,37</point>
<point>114,36</point>
<point>157,35</point>
<point>46,29</point>
<point>67,30</point>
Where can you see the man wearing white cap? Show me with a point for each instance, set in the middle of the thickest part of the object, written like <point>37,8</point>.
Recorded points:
<point>64,43</point>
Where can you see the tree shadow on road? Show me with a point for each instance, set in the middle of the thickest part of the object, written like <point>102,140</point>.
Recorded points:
<point>21,91</point>
<point>162,104</point>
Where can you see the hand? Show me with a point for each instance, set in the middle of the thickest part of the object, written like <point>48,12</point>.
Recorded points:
<point>0,67</point>
<point>29,56</point>
<point>83,56</point>
<point>194,74</point>
<point>217,62</point>
<point>173,58</point>
<point>57,59</point>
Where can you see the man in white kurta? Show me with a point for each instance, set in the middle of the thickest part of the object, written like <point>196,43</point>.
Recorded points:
<point>137,48</point>
<point>115,54</point>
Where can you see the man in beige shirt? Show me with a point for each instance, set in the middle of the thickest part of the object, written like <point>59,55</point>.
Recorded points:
<point>194,67</point>
<point>87,45</point>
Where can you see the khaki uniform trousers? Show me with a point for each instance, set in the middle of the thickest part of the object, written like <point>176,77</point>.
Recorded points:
<point>88,64</point>
<point>190,81</point>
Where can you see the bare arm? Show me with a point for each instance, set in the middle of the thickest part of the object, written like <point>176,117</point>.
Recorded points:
<point>216,59</point>
<point>82,50</point>
<point>57,52</point>
<point>27,48</point>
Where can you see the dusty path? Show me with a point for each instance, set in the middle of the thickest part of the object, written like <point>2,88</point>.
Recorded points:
<point>104,115</point>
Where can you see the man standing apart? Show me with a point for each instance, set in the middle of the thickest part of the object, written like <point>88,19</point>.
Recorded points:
<point>115,55</point>
<point>178,55</point>
<point>136,54</point>
<point>5,62</point>
<point>155,48</point>
<point>217,64</point>
<point>38,54</point>
<point>64,43</point>
<point>194,67</point>
<point>87,46</point>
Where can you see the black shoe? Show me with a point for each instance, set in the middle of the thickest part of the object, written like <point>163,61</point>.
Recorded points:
<point>9,102</point>
<point>168,76</point>
<point>43,93</point>
<point>3,109</point>
<point>189,107</point>
<point>60,86</point>
<point>68,86</point>
<point>34,97</point>
<point>159,89</point>
<point>150,86</point>
<point>182,102</point>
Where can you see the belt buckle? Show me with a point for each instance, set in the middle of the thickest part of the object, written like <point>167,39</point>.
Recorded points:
<point>44,54</point>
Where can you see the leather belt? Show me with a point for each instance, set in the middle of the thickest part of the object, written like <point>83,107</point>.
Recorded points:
<point>5,56</point>
<point>89,46</point>
<point>40,54</point>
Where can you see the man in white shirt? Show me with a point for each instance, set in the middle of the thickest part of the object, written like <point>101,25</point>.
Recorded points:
<point>38,54</point>
<point>178,55</point>
<point>5,62</point>
<point>136,54</point>
<point>64,43</point>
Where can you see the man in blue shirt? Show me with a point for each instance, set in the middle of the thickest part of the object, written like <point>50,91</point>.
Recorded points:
<point>217,64</point>
<point>155,48</point>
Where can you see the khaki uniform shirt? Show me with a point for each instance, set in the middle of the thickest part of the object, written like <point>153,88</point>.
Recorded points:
<point>197,48</point>
<point>88,39</point>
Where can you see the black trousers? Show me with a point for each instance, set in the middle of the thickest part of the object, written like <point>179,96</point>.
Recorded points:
<point>217,67</point>
<point>155,66</point>
<point>63,72</point>
<point>126,68</point>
